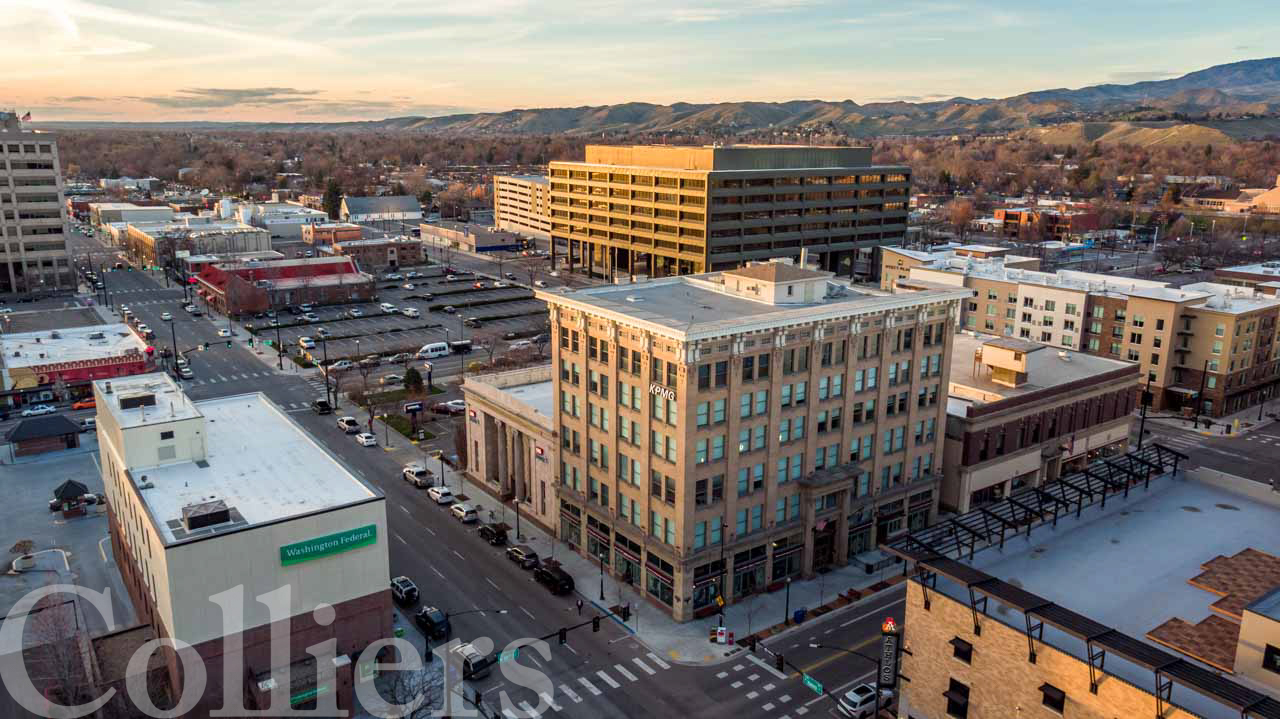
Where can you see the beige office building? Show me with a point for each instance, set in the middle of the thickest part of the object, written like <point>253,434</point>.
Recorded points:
<point>657,211</point>
<point>722,432</point>
<point>522,204</point>
<point>33,243</point>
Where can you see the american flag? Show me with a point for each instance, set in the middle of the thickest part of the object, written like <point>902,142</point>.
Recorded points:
<point>26,117</point>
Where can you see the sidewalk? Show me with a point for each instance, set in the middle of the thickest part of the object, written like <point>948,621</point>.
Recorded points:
<point>687,642</point>
<point>1241,422</point>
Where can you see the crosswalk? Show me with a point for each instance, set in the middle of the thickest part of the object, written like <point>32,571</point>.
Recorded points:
<point>1181,442</point>
<point>573,691</point>
<point>771,695</point>
<point>1260,438</point>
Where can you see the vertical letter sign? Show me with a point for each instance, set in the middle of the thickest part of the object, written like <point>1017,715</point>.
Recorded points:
<point>887,677</point>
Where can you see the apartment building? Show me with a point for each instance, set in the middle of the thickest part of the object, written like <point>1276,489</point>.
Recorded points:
<point>1020,414</point>
<point>228,495</point>
<point>660,211</point>
<point>522,203</point>
<point>330,233</point>
<point>158,243</point>
<point>722,432</point>
<point>896,262</point>
<point>33,243</point>
<point>1059,223</point>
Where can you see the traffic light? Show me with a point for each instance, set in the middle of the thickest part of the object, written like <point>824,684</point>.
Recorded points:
<point>228,343</point>
<point>751,643</point>
<point>206,345</point>
<point>625,613</point>
<point>595,624</point>
<point>250,341</point>
<point>564,635</point>
<point>779,663</point>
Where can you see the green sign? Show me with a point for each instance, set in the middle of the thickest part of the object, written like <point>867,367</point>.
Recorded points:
<point>328,545</point>
<point>509,655</point>
<point>813,684</point>
<point>309,694</point>
<point>398,632</point>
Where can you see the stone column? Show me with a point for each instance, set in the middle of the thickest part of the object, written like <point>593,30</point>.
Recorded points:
<point>842,530</point>
<point>501,477</point>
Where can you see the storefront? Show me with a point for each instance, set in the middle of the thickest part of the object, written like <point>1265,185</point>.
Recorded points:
<point>658,578</point>
<point>889,520</point>
<point>627,560</point>
<point>570,524</point>
<point>918,507</point>
<point>824,544</point>
<point>860,531</point>
<point>598,542</point>
<point>748,571</point>
<point>788,558</point>
<point>707,581</point>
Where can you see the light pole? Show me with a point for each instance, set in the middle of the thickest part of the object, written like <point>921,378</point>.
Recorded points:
<point>786,613</point>
<point>324,343</point>
<point>601,558</point>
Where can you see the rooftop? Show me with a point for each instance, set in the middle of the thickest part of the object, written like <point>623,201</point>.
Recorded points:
<point>171,403</point>
<point>1269,269</point>
<point>1046,368</point>
<point>700,306</point>
<point>1230,299</point>
<point>720,158</point>
<point>71,344</point>
<point>540,179</point>
<point>1268,605</point>
<point>380,205</point>
<point>275,472</point>
<point>538,395</point>
<point>997,269</point>
<point>776,272</point>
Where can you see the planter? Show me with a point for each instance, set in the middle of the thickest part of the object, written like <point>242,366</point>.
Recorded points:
<point>775,586</point>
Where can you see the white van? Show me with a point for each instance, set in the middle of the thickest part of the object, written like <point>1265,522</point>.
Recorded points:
<point>387,308</point>
<point>410,312</point>
<point>435,349</point>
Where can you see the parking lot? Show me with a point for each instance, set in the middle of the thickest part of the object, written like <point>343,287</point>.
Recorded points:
<point>360,329</point>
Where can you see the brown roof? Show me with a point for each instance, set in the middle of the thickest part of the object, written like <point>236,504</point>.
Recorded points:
<point>1016,345</point>
<point>775,272</point>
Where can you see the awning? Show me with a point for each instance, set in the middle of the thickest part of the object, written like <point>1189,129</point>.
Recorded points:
<point>1184,390</point>
<point>957,697</point>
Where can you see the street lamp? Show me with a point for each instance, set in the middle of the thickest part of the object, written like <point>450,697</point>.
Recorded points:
<point>786,613</point>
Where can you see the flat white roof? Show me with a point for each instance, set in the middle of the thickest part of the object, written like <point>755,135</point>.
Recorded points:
<point>273,471</point>
<point>68,345</point>
<point>171,404</point>
<point>539,395</point>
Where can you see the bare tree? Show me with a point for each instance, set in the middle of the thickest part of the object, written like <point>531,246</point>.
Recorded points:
<point>487,341</point>
<point>58,661</point>
<point>960,213</point>
<point>423,687</point>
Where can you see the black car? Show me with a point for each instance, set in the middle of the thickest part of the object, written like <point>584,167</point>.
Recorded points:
<point>433,622</point>
<point>404,591</point>
<point>322,406</point>
<point>493,534</point>
<point>555,579</point>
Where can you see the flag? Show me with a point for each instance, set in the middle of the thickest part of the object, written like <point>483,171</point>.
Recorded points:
<point>26,117</point>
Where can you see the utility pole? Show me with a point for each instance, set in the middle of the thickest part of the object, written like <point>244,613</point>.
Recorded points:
<point>1146,402</point>
<point>1200,395</point>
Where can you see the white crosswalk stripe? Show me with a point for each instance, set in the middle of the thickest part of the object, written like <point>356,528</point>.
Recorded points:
<point>656,660</point>
<point>570,693</point>
<point>623,671</point>
<point>608,679</point>
<point>643,666</point>
<point>586,683</point>
<point>550,701</point>
<point>529,710</point>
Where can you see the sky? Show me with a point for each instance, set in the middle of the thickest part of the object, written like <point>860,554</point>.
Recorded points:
<point>325,60</point>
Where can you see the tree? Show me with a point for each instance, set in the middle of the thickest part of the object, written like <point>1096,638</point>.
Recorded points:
<point>424,199</point>
<point>413,380</point>
<point>960,213</point>
<point>333,199</point>
<point>454,200</point>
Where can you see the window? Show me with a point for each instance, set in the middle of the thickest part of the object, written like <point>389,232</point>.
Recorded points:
<point>166,435</point>
<point>962,650</point>
<point>957,696</point>
<point>1271,659</point>
<point>1053,697</point>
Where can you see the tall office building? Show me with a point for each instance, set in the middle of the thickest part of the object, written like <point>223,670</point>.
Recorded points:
<point>659,211</point>
<point>33,243</point>
<point>521,203</point>
<point>723,432</point>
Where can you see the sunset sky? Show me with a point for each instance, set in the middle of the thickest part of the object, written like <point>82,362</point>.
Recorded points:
<point>132,60</point>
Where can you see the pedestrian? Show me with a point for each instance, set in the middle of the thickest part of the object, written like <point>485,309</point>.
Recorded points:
<point>579,607</point>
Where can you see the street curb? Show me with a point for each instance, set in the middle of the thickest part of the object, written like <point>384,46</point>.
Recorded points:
<point>835,612</point>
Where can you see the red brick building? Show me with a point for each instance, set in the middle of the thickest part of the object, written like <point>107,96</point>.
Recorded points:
<point>257,287</point>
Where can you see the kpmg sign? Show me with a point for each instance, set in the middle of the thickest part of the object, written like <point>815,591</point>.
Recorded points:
<point>664,392</point>
<point>328,545</point>
<point>887,677</point>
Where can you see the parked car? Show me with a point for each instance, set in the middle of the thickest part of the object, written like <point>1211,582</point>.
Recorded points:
<point>341,366</point>
<point>440,495</point>
<point>409,286</point>
<point>555,579</point>
<point>306,343</point>
<point>185,373</point>
<point>509,275</point>
<point>399,358</point>
<point>196,311</point>
<point>450,278</point>
<point>520,345</point>
<point>166,316</point>
<point>85,404</point>
<point>322,332</point>
<point>310,317</point>
<point>493,534</point>
<point>224,332</point>
<point>306,307</point>
<point>464,512</point>
<point>388,380</point>
<point>540,283</point>
<point>348,425</point>
<point>478,285</point>
<point>449,310</point>
<point>355,312</point>
<point>321,406</point>
<point>416,474</point>
<point>88,424</point>
<point>36,410</point>
<point>452,407</point>
<point>433,622</point>
<point>499,285</point>
<point>371,361</point>
<point>403,590</point>
<point>473,322</point>
<point>523,555</point>
<point>860,701</point>
<point>364,439</point>
<point>410,312</point>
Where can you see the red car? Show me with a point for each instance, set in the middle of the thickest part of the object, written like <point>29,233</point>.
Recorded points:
<point>85,404</point>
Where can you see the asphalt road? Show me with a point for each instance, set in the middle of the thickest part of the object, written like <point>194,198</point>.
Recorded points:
<point>1253,455</point>
<point>596,674</point>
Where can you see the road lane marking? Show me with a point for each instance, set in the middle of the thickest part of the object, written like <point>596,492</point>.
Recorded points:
<point>752,695</point>
<point>551,702</point>
<point>404,509</point>
<point>459,556</point>
<point>570,648</point>
<point>490,581</point>
<point>753,678</point>
<point>401,539</point>
<point>437,571</point>
<point>589,686</point>
<point>722,675</point>
<point>571,694</point>
<point>429,529</point>
<point>736,685</point>
<point>608,679</point>
<point>765,666</point>
<point>836,691</point>
<point>623,671</point>
<point>643,666</point>
<point>656,660</point>
<point>529,711</point>
<point>526,611</point>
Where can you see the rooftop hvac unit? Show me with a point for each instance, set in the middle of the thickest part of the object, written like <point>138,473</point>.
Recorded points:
<point>205,514</point>
<point>134,401</point>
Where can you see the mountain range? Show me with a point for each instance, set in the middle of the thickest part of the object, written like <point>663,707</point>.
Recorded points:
<point>1240,99</point>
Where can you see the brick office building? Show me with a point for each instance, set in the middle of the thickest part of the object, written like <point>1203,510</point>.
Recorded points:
<point>258,286</point>
<point>720,433</point>
<point>206,496</point>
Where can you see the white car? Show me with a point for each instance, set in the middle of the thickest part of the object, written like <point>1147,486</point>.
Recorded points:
<point>306,343</point>
<point>499,285</point>
<point>355,312</point>
<point>416,474</point>
<point>167,317</point>
<point>189,308</point>
<point>364,439</point>
<point>540,283</point>
<point>451,278</point>
<point>6,310</point>
<point>410,312</point>
<point>391,379</point>
<point>860,701</point>
<point>36,410</point>
<point>440,495</point>
<point>408,286</point>
<point>519,345</point>
<point>224,332</point>
<point>310,317</point>
<point>464,512</point>
<point>341,366</point>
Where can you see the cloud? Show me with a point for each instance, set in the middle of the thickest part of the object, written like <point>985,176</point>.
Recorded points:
<point>1242,48</point>
<point>211,97</point>
<point>1141,75</point>
<point>78,98</point>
